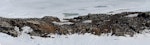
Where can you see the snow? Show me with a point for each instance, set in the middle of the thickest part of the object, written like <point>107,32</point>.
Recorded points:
<point>26,29</point>
<point>62,23</point>
<point>87,21</point>
<point>75,39</point>
<point>132,15</point>
<point>40,8</point>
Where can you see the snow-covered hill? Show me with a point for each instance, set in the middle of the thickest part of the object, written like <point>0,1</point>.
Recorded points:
<point>40,8</point>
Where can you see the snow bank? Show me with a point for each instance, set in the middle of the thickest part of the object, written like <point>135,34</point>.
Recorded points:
<point>75,39</point>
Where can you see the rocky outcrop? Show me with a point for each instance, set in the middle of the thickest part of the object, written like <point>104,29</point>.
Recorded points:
<point>118,24</point>
<point>121,24</point>
<point>40,26</point>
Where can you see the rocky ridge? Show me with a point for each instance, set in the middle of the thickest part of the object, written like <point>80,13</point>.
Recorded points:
<point>120,24</point>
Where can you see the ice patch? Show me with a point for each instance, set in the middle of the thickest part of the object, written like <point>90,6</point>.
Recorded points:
<point>87,21</point>
<point>62,23</point>
<point>132,15</point>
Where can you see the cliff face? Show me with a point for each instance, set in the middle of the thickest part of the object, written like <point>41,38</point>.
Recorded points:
<point>125,23</point>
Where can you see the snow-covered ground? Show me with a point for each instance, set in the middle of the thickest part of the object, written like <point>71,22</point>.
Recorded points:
<point>40,8</point>
<point>75,39</point>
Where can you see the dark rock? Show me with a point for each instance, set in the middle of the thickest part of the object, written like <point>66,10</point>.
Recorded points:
<point>9,31</point>
<point>147,24</point>
<point>50,19</point>
<point>144,15</point>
